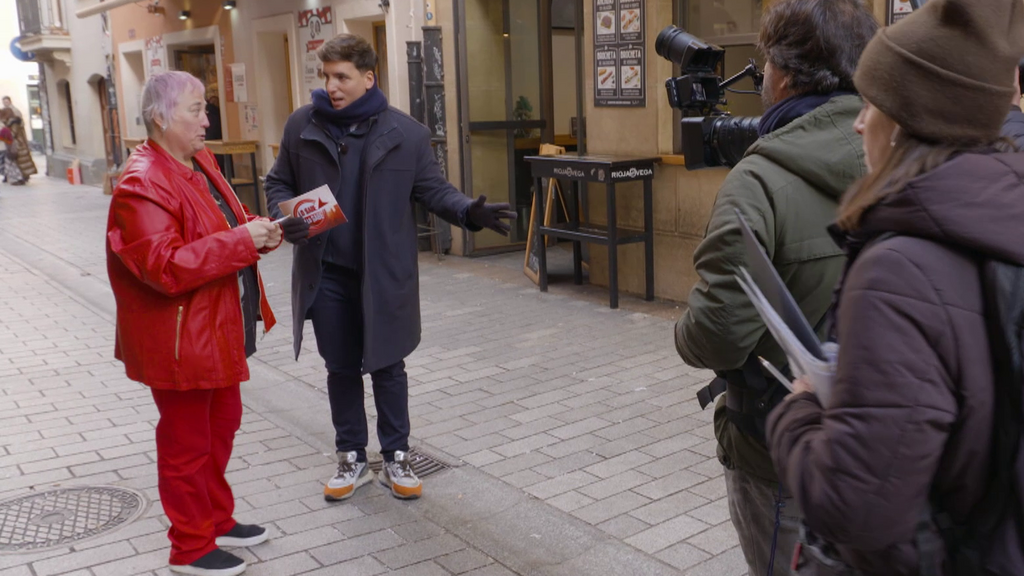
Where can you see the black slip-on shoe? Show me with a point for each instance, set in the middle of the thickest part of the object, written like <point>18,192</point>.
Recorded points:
<point>215,563</point>
<point>243,535</point>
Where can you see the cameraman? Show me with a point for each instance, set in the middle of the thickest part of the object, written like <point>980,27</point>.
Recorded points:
<point>787,187</point>
<point>1013,128</point>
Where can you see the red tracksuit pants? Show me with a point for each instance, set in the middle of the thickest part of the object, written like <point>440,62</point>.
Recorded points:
<point>193,445</point>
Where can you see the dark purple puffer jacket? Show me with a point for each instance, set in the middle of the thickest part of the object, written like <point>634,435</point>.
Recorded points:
<point>912,404</point>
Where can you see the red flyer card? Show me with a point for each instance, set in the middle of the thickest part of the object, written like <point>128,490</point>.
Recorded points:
<point>317,207</point>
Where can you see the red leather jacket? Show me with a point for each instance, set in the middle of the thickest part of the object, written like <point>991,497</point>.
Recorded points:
<point>173,262</point>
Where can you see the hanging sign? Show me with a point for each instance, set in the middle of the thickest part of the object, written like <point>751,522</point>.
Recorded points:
<point>620,53</point>
<point>252,122</point>
<point>20,54</point>
<point>238,82</point>
<point>315,27</point>
<point>155,55</point>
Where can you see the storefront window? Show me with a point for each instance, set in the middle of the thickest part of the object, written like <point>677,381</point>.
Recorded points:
<point>724,22</point>
<point>502,98</point>
<point>733,25</point>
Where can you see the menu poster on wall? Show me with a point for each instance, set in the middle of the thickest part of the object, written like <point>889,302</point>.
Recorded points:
<point>315,27</point>
<point>898,10</point>
<point>238,81</point>
<point>607,60</point>
<point>252,121</point>
<point>155,55</point>
<point>620,53</point>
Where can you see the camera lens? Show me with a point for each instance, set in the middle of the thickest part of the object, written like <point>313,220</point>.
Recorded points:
<point>731,136</point>
<point>665,40</point>
<point>686,50</point>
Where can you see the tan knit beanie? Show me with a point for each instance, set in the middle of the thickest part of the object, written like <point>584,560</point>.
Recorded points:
<point>944,72</point>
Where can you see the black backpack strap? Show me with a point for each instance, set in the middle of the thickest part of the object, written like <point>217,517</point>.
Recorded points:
<point>747,376</point>
<point>714,389</point>
<point>750,396</point>
<point>1004,317</point>
<point>967,545</point>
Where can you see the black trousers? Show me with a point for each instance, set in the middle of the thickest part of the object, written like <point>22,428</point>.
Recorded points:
<point>337,315</point>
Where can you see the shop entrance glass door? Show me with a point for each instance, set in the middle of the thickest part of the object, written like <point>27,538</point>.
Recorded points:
<point>501,103</point>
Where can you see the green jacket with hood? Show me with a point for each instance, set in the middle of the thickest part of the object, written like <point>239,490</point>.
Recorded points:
<point>787,187</point>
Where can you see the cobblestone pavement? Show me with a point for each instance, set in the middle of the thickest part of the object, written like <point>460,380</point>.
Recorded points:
<point>579,443</point>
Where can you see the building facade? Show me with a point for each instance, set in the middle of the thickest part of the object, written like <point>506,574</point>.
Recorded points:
<point>256,58</point>
<point>512,74</point>
<point>74,87</point>
<point>526,71</point>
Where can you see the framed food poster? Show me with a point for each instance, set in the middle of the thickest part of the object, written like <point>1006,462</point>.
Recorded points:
<point>900,9</point>
<point>620,53</point>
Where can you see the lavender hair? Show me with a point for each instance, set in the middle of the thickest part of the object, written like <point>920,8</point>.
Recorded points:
<point>160,96</point>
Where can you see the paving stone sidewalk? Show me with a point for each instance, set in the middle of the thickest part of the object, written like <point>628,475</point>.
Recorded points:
<point>70,418</point>
<point>581,417</point>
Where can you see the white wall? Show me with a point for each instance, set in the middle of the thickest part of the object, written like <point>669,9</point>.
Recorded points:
<point>14,74</point>
<point>273,92</point>
<point>88,60</point>
<point>404,22</point>
<point>362,28</point>
<point>132,67</point>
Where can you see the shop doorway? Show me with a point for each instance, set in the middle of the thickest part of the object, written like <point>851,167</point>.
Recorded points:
<point>518,75</point>
<point>380,45</point>
<point>35,116</point>
<point>111,125</point>
<point>197,52</point>
<point>201,62</point>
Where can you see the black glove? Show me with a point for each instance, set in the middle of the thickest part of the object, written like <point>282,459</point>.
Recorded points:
<point>490,215</point>
<point>295,230</point>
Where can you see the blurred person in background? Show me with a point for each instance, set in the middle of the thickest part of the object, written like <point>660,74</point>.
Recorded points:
<point>11,118</point>
<point>214,131</point>
<point>8,104</point>
<point>9,158</point>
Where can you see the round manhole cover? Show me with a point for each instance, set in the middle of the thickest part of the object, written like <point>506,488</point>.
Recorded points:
<point>64,516</point>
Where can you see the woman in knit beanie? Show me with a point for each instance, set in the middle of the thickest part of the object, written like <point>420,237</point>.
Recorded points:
<point>905,442</point>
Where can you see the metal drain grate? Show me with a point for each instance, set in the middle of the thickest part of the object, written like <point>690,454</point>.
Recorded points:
<point>422,462</point>
<point>58,518</point>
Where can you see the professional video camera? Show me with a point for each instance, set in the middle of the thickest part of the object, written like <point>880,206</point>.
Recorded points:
<point>711,136</point>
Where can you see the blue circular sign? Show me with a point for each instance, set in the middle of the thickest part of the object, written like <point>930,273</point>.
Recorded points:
<point>19,53</point>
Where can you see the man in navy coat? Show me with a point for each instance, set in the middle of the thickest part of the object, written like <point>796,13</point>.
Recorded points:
<point>359,282</point>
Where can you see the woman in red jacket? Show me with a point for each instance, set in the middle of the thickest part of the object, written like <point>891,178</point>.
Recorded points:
<point>181,256</point>
<point>892,466</point>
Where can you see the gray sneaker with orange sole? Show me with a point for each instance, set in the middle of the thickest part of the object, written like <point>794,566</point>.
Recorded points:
<point>350,475</point>
<point>399,477</point>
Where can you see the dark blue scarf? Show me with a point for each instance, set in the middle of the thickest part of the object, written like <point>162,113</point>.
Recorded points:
<point>340,122</point>
<point>788,110</point>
